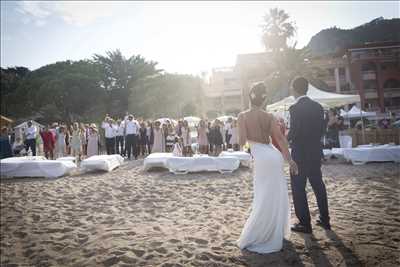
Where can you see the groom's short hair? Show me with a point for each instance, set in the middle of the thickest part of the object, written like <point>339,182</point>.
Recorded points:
<point>300,85</point>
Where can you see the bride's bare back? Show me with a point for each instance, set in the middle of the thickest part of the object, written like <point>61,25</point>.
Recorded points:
<point>254,125</point>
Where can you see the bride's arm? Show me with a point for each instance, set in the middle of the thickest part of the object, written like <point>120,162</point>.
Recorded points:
<point>242,131</point>
<point>283,144</point>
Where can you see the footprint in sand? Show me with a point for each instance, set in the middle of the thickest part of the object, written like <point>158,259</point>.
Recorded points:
<point>111,261</point>
<point>187,254</point>
<point>156,244</point>
<point>161,250</point>
<point>138,252</point>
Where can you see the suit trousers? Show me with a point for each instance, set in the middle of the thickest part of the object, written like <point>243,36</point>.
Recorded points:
<point>313,173</point>
<point>110,145</point>
<point>31,143</point>
<point>120,144</point>
<point>131,145</point>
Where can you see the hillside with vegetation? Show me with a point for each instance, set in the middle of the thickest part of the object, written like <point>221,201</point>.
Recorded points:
<point>334,40</point>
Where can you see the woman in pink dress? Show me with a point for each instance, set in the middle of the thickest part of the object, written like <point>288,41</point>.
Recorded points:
<point>202,137</point>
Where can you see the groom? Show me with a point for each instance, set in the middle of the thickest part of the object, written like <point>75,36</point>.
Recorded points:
<point>306,130</point>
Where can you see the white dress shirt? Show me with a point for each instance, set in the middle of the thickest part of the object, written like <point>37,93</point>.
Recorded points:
<point>120,130</point>
<point>132,127</point>
<point>30,132</point>
<point>110,130</point>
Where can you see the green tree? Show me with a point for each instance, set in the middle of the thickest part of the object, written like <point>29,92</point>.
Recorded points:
<point>10,80</point>
<point>65,91</point>
<point>119,75</point>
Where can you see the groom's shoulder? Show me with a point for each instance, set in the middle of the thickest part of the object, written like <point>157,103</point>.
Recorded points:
<point>316,104</point>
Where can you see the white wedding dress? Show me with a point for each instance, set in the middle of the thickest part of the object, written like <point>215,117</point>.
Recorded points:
<point>268,222</point>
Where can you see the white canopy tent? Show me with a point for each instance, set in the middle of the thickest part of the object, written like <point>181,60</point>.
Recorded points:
<point>164,120</point>
<point>20,128</point>
<point>326,99</point>
<point>355,112</point>
<point>193,121</point>
<point>225,118</point>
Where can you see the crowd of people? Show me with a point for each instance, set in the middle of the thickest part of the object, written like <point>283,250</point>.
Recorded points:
<point>126,136</point>
<point>132,137</point>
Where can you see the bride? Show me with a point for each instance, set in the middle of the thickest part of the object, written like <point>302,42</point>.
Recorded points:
<point>268,222</point>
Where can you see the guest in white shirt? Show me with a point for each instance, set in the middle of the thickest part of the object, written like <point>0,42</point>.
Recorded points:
<point>234,139</point>
<point>120,131</point>
<point>109,134</point>
<point>132,132</point>
<point>30,138</point>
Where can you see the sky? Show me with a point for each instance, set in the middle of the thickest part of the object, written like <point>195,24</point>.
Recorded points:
<point>183,37</point>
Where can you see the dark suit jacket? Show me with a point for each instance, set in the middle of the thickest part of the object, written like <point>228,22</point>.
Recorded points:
<point>306,130</point>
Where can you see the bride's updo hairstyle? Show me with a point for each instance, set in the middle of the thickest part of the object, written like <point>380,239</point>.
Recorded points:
<point>258,94</point>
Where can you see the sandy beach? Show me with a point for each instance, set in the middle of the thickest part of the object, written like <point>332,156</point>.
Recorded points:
<point>130,217</point>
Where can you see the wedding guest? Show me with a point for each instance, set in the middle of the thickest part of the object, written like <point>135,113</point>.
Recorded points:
<point>178,129</point>
<point>210,148</point>
<point>68,133</point>
<point>187,140</point>
<point>222,130</point>
<point>93,141</point>
<point>18,147</point>
<point>109,134</point>
<point>159,138</point>
<point>228,132</point>
<point>332,134</point>
<point>234,138</point>
<point>60,142</point>
<point>30,138</point>
<point>216,138</point>
<point>39,144</point>
<point>202,137</point>
<point>132,132</point>
<point>164,127</point>
<point>177,151</point>
<point>149,136</point>
<point>76,143</point>
<point>83,137</point>
<point>120,129</point>
<point>49,141</point>
<point>5,146</point>
<point>142,138</point>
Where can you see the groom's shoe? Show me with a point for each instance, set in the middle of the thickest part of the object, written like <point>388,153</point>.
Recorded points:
<point>301,228</point>
<point>326,226</point>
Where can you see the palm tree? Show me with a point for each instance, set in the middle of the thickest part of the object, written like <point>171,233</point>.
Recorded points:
<point>288,61</point>
<point>277,30</point>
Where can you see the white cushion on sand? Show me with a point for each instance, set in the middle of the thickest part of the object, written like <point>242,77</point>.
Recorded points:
<point>200,163</point>
<point>156,160</point>
<point>327,152</point>
<point>244,157</point>
<point>196,163</point>
<point>102,162</point>
<point>72,159</point>
<point>346,141</point>
<point>35,167</point>
<point>364,154</point>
